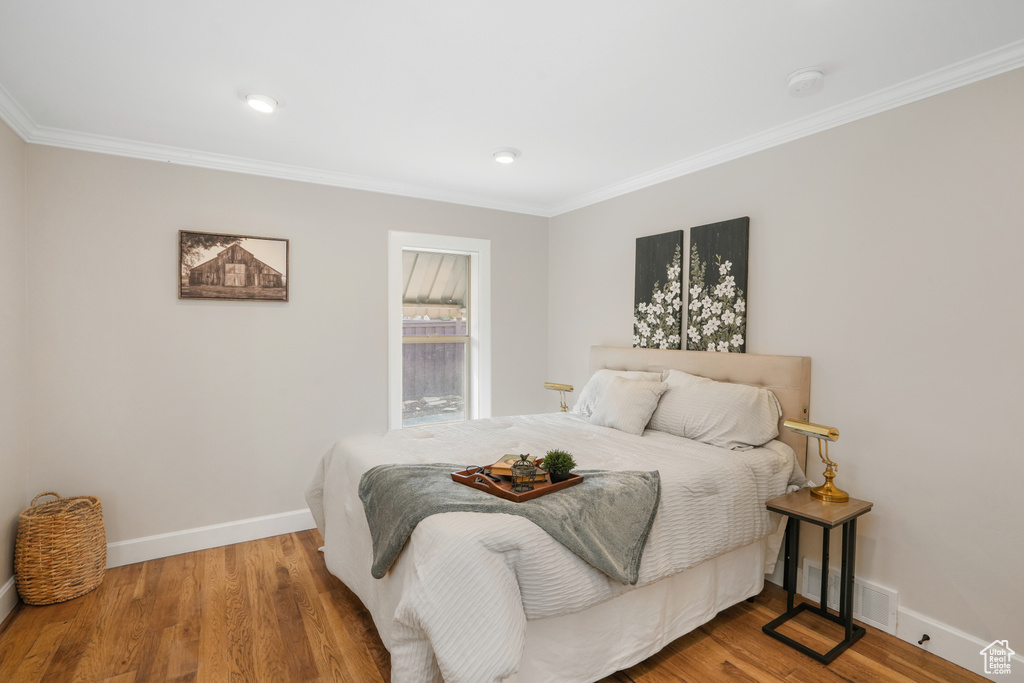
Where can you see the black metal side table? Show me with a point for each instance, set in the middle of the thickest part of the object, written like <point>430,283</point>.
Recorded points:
<point>802,506</point>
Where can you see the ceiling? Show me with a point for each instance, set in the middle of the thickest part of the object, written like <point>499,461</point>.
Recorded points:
<point>410,97</point>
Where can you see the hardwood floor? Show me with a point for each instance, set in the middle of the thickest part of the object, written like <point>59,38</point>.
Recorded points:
<point>268,610</point>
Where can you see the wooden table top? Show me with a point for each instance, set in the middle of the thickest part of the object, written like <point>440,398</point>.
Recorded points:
<point>802,505</point>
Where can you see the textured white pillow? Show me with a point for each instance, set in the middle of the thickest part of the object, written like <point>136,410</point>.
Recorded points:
<point>598,384</point>
<point>718,413</point>
<point>627,404</point>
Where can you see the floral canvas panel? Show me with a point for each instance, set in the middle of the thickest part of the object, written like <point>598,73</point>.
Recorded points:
<point>657,295</point>
<point>717,291</point>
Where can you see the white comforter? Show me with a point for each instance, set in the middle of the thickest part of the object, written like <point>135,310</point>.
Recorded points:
<point>456,602</point>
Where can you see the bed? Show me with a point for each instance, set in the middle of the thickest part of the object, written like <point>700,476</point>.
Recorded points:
<point>486,597</point>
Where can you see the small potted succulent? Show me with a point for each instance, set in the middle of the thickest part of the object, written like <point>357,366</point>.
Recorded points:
<point>557,464</point>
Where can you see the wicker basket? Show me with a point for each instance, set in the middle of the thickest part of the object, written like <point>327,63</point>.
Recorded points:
<point>61,549</point>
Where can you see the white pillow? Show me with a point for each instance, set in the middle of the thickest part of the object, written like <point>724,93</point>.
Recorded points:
<point>717,413</point>
<point>627,404</point>
<point>598,384</point>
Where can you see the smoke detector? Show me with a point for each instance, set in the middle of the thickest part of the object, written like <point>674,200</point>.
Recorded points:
<point>804,82</point>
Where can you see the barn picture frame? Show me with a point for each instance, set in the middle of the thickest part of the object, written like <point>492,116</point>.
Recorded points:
<point>216,266</point>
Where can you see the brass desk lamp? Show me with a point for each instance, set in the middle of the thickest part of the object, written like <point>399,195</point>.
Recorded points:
<point>561,389</point>
<point>827,492</point>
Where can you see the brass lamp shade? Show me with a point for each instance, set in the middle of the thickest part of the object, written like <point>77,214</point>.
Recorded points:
<point>813,430</point>
<point>828,492</point>
<point>561,389</point>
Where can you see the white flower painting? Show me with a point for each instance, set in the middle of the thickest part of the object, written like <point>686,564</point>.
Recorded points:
<point>715,317</point>
<point>658,311</point>
<point>717,310</point>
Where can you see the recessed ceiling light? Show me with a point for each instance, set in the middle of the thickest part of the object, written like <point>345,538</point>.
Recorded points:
<point>506,155</point>
<point>803,82</point>
<point>265,104</point>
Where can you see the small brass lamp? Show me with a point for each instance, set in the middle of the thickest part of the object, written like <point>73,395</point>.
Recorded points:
<point>561,389</point>
<point>828,492</point>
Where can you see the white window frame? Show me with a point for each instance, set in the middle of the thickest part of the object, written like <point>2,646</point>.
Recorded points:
<point>478,384</point>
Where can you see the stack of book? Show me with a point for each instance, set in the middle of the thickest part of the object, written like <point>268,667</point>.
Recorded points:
<point>503,468</point>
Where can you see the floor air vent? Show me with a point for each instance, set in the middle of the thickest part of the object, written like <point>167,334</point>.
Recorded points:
<point>872,604</point>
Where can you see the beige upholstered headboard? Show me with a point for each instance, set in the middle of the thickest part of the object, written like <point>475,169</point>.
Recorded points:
<point>788,377</point>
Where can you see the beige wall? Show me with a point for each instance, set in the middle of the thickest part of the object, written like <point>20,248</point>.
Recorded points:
<point>13,375</point>
<point>180,414</point>
<point>889,251</point>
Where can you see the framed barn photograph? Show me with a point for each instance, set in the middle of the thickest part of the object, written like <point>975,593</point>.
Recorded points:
<point>218,267</point>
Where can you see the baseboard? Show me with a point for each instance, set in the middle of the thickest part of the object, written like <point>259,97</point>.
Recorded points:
<point>201,538</point>
<point>8,598</point>
<point>950,643</point>
<point>944,641</point>
<point>187,541</point>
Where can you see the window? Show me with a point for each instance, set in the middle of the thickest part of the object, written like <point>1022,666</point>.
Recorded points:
<point>435,336</point>
<point>439,330</point>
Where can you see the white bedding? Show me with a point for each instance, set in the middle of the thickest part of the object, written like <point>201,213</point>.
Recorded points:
<point>456,602</point>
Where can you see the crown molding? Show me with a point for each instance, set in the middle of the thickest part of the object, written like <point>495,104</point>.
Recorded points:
<point>56,137</point>
<point>22,124</point>
<point>993,63</point>
<point>14,116</point>
<point>963,73</point>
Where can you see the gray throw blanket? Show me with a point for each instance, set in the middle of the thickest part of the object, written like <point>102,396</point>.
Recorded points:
<point>605,519</point>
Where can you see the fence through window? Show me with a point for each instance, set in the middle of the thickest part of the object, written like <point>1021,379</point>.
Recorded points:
<point>435,336</point>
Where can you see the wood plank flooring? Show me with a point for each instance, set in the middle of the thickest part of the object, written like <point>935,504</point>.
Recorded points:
<point>268,610</point>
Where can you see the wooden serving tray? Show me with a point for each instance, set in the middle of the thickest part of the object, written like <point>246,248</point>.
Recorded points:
<point>472,477</point>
